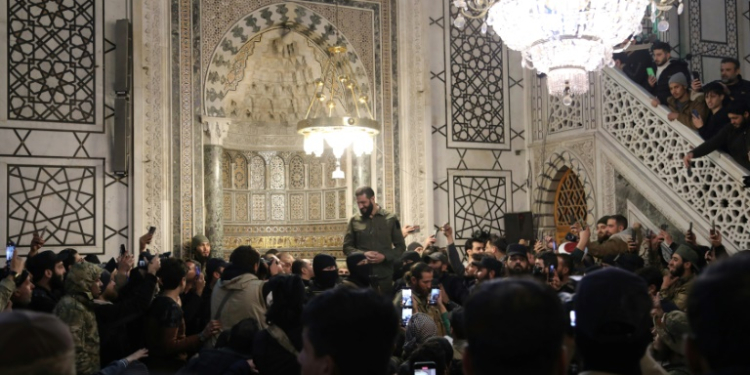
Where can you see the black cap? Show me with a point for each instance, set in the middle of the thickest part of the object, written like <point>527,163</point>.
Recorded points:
<point>491,264</point>
<point>613,306</point>
<point>213,265</point>
<point>517,249</point>
<point>46,260</point>
<point>435,257</point>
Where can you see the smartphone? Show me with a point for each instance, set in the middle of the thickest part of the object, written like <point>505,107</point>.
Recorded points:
<point>650,72</point>
<point>551,273</point>
<point>405,315</point>
<point>197,271</point>
<point>10,249</point>
<point>572,318</point>
<point>695,75</point>
<point>690,228</point>
<point>713,227</point>
<point>664,227</point>
<point>434,295</point>
<point>123,250</point>
<point>417,229</point>
<point>406,300</point>
<point>151,231</point>
<point>425,368</point>
<point>695,113</point>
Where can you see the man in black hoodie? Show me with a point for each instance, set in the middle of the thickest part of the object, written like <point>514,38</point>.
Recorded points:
<point>664,68</point>
<point>359,271</point>
<point>734,139</point>
<point>326,274</point>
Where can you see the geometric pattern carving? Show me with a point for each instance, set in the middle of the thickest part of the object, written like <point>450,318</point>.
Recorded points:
<point>296,173</point>
<point>570,200</point>
<point>297,207</point>
<point>227,206</point>
<point>239,168</point>
<point>313,206</point>
<point>240,207</point>
<point>277,173</point>
<point>342,204</point>
<point>259,207</point>
<point>278,206</point>
<point>330,161</point>
<point>316,175</point>
<point>331,207</point>
<point>51,61</point>
<point>477,98</point>
<point>711,191</point>
<point>257,173</point>
<point>226,170</point>
<point>59,198</point>
<point>565,117</point>
<point>700,47</point>
<point>480,200</point>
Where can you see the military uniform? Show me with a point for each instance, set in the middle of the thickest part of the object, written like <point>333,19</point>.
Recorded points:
<point>423,306</point>
<point>381,233</point>
<point>7,288</point>
<point>76,310</point>
<point>678,291</point>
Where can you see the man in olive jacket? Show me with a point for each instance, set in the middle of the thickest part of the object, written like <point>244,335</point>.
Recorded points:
<point>377,233</point>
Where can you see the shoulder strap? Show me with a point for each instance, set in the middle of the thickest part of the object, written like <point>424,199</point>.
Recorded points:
<point>281,337</point>
<point>221,305</point>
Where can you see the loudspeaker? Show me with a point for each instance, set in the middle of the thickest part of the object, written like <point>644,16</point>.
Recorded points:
<point>122,137</point>
<point>519,225</point>
<point>123,57</point>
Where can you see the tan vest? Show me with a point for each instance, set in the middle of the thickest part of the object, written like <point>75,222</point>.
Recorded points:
<point>244,299</point>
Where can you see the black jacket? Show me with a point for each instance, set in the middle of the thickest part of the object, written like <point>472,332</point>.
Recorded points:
<point>661,90</point>
<point>714,124</point>
<point>115,321</point>
<point>635,65</point>
<point>222,361</point>
<point>740,90</point>
<point>735,141</point>
<point>43,300</point>
<point>271,358</point>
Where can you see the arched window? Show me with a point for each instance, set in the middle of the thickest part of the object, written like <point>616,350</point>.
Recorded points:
<point>277,173</point>
<point>296,173</point>
<point>257,173</point>
<point>240,171</point>
<point>570,204</point>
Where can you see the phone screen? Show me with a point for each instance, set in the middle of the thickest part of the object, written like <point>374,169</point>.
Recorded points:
<point>151,230</point>
<point>123,251</point>
<point>10,248</point>
<point>650,71</point>
<point>572,318</point>
<point>405,315</point>
<point>434,295</point>
<point>197,271</point>
<point>425,368</point>
<point>406,298</point>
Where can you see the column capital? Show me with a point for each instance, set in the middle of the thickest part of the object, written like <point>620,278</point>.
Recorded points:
<point>215,129</point>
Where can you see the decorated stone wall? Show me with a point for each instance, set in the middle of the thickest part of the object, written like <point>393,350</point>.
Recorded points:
<point>479,159</point>
<point>56,126</point>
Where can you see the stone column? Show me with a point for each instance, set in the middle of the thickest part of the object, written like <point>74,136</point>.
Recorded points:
<point>215,130</point>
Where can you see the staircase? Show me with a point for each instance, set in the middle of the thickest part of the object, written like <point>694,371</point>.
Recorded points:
<point>648,148</point>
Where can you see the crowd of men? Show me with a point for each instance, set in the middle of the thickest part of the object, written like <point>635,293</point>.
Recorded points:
<point>631,301</point>
<point>718,111</point>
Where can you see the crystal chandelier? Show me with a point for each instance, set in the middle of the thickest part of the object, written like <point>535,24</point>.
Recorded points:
<point>564,39</point>
<point>339,113</point>
<point>659,9</point>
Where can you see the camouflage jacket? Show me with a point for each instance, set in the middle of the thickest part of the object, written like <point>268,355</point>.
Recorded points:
<point>76,313</point>
<point>7,287</point>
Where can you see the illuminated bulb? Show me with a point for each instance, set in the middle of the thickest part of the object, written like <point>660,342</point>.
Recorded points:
<point>567,100</point>
<point>663,25</point>
<point>459,22</point>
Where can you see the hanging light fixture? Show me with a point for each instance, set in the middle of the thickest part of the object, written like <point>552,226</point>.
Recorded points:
<point>339,113</point>
<point>659,9</point>
<point>564,39</point>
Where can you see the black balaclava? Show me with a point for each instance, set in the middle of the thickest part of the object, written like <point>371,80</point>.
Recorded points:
<point>359,274</point>
<point>407,260</point>
<point>325,279</point>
